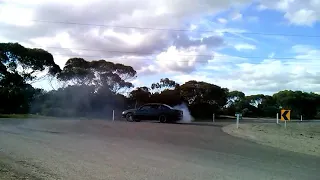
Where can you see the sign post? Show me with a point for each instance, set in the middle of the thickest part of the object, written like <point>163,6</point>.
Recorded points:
<point>285,116</point>
<point>285,124</point>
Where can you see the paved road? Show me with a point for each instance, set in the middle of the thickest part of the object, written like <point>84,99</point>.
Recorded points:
<point>72,149</point>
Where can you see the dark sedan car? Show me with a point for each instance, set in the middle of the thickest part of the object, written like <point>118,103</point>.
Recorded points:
<point>153,111</point>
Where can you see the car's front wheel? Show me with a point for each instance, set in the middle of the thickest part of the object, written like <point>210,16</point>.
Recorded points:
<point>163,119</point>
<point>129,117</point>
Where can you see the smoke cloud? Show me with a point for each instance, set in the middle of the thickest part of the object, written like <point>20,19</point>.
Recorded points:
<point>187,118</point>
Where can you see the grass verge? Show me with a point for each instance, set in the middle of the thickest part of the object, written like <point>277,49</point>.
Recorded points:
<point>21,116</point>
<point>297,137</point>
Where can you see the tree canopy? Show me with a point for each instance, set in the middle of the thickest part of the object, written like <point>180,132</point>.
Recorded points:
<point>100,74</point>
<point>26,62</point>
<point>95,88</point>
<point>19,66</point>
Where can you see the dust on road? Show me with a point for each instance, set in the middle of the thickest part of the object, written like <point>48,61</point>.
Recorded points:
<point>119,150</point>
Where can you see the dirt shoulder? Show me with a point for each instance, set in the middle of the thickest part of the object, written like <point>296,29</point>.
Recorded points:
<point>14,169</point>
<point>10,170</point>
<point>297,137</point>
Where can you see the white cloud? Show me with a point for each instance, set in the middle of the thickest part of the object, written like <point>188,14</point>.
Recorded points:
<point>222,20</point>
<point>193,27</point>
<point>235,32</point>
<point>115,40</point>
<point>297,12</point>
<point>271,55</point>
<point>137,83</point>
<point>236,16</point>
<point>302,17</point>
<point>261,7</point>
<point>267,76</point>
<point>220,59</point>
<point>179,60</point>
<point>16,16</point>
<point>187,77</point>
<point>301,48</point>
<point>245,46</point>
<point>162,51</point>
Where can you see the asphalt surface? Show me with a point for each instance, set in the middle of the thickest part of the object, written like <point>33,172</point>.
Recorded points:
<point>79,149</point>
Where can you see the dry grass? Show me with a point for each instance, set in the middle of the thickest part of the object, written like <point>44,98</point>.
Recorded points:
<point>297,137</point>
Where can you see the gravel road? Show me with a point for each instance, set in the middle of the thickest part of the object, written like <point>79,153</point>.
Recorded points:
<point>79,149</point>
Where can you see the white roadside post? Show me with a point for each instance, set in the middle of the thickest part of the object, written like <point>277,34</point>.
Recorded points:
<point>285,124</point>
<point>212,117</point>
<point>277,118</point>
<point>238,121</point>
<point>112,115</point>
<point>301,118</point>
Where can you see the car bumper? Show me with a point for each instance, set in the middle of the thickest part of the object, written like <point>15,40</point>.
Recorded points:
<point>177,118</point>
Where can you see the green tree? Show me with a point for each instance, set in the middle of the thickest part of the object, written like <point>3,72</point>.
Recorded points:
<point>101,74</point>
<point>234,96</point>
<point>164,84</point>
<point>26,62</point>
<point>140,96</point>
<point>168,96</point>
<point>301,103</point>
<point>20,66</point>
<point>203,98</point>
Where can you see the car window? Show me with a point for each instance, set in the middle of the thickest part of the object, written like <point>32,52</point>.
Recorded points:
<point>154,106</point>
<point>147,107</point>
<point>162,107</point>
<point>150,107</point>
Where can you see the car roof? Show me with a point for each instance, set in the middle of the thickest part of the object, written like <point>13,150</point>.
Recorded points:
<point>153,104</point>
<point>158,104</point>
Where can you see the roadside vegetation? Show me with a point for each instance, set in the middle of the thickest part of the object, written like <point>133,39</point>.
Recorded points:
<point>95,88</point>
<point>297,137</point>
<point>22,116</point>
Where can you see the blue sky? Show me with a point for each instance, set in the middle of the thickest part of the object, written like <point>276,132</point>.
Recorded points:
<point>247,44</point>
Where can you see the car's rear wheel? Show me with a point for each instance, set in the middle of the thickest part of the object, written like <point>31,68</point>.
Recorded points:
<point>163,119</point>
<point>129,117</point>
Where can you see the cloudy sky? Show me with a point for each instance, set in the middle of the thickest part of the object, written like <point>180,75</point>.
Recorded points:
<point>259,46</point>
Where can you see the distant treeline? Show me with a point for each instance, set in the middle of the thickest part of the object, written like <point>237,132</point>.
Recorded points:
<point>95,88</point>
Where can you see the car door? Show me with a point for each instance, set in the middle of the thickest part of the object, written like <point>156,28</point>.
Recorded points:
<point>143,112</point>
<point>164,110</point>
<point>154,112</point>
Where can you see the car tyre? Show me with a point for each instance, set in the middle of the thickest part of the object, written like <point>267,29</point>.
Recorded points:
<point>129,117</point>
<point>162,118</point>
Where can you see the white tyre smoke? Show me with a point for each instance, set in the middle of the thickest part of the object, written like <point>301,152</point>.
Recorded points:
<point>186,113</point>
